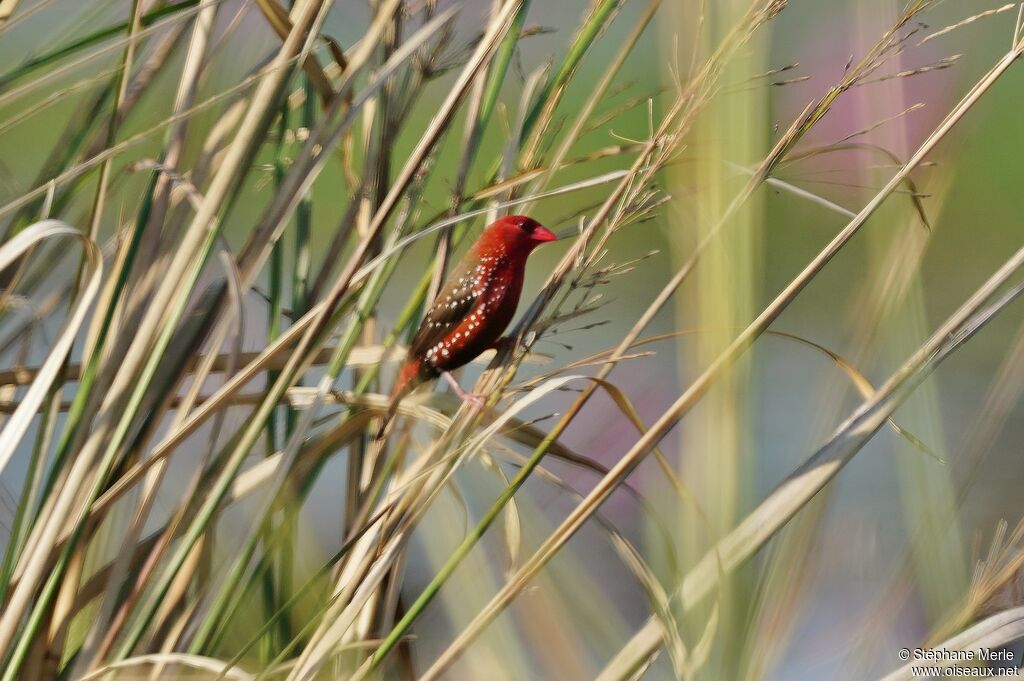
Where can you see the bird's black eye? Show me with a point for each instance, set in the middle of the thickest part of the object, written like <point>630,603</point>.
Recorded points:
<point>527,225</point>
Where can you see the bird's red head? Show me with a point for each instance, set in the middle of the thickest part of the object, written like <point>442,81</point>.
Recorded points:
<point>518,232</point>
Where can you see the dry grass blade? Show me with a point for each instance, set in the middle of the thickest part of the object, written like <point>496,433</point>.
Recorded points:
<point>197,662</point>
<point>989,634</point>
<point>10,251</point>
<point>7,8</point>
<point>661,604</point>
<point>798,191</point>
<point>944,63</point>
<point>277,17</point>
<point>875,126</point>
<point>969,20</point>
<point>894,160</point>
<point>471,447</point>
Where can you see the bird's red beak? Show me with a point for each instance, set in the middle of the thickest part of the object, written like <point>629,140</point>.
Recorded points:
<point>542,234</point>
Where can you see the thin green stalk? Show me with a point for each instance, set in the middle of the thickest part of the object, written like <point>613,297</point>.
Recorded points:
<point>404,321</point>
<point>499,68</point>
<point>549,97</point>
<point>552,92</point>
<point>269,589</point>
<point>302,255</point>
<point>36,618</point>
<point>276,272</point>
<point>488,99</point>
<point>301,592</point>
<point>146,20</point>
<point>109,305</point>
<point>586,110</point>
<point>378,169</point>
<point>398,632</point>
<point>267,644</point>
<point>30,490</point>
<point>365,306</point>
<point>304,225</point>
<point>85,384</point>
<point>100,198</point>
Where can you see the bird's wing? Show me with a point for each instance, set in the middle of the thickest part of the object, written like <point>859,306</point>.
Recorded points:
<point>450,307</point>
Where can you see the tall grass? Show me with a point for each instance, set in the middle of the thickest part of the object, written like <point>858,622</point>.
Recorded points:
<point>181,385</point>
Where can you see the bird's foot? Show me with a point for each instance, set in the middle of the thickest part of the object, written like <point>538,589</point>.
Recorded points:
<point>503,343</point>
<point>474,400</point>
<point>509,343</point>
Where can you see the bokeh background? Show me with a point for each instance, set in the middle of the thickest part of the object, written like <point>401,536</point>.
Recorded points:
<point>889,547</point>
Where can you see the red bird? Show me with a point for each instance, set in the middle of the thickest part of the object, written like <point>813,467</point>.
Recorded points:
<point>473,308</point>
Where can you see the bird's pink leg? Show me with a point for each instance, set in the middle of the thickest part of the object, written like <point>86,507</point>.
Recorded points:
<point>475,400</point>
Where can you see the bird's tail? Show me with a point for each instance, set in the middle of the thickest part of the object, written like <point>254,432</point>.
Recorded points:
<point>407,380</point>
